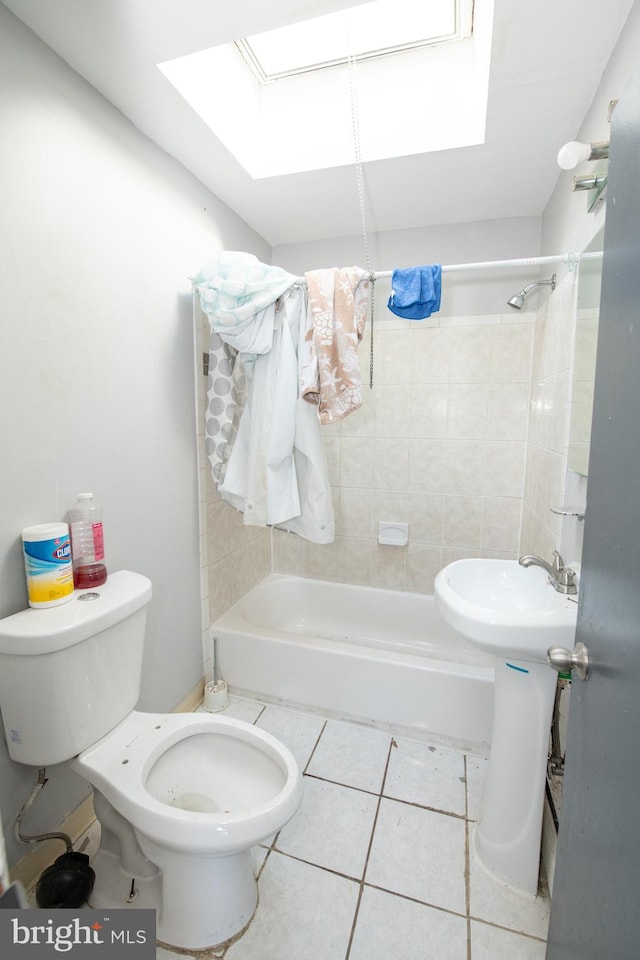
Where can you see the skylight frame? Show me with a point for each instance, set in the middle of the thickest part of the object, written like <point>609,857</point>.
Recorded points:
<point>456,74</point>
<point>463,28</point>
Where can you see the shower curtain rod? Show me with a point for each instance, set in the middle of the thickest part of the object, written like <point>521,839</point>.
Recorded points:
<point>525,262</point>
<point>571,258</point>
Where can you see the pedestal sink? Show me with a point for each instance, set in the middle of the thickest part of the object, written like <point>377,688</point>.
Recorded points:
<point>515,613</point>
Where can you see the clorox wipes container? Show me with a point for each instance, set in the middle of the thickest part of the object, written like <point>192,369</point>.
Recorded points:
<point>47,564</point>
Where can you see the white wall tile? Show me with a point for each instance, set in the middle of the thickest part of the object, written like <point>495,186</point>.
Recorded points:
<point>462,521</point>
<point>427,465</point>
<point>429,406</point>
<point>391,357</point>
<point>391,505</point>
<point>356,512</point>
<point>468,406</point>
<point>425,513</point>
<point>391,469</point>
<point>360,423</point>
<point>511,353</point>
<point>357,462</point>
<point>422,565</point>
<point>470,354</point>
<point>392,410</point>
<point>430,356</point>
<point>501,517</point>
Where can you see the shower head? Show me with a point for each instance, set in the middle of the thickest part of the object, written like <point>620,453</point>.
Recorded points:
<point>517,302</point>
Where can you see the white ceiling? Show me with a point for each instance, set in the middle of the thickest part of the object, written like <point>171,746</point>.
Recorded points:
<point>547,60</point>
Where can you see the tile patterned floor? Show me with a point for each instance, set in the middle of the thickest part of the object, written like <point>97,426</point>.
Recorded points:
<point>377,863</point>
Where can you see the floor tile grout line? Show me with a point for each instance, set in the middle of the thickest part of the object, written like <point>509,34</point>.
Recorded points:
<point>467,885</point>
<point>316,866</point>
<point>422,806</point>
<point>392,745</point>
<point>341,783</point>
<point>467,862</point>
<point>416,900</point>
<point>266,857</point>
<point>264,707</point>
<point>500,926</point>
<point>354,921</point>
<point>315,747</point>
<point>401,896</point>
<point>386,796</point>
<point>394,893</point>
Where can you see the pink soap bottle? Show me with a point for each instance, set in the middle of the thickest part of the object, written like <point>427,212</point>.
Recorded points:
<point>87,543</point>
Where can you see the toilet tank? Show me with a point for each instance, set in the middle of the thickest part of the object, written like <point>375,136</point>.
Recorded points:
<point>69,674</point>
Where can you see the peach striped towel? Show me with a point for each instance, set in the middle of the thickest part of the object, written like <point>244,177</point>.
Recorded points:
<point>329,361</point>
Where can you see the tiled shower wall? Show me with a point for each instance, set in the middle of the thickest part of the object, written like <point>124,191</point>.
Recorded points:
<point>440,443</point>
<point>463,436</point>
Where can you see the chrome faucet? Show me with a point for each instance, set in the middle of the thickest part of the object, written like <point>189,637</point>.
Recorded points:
<point>561,578</point>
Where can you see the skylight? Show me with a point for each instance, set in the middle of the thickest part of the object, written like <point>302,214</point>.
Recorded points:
<point>369,30</point>
<point>420,84</point>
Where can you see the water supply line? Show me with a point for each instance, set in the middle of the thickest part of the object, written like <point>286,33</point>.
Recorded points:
<point>36,838</point>
<point>68,881</point>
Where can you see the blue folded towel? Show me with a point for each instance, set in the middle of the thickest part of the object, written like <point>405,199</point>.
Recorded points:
<point>415,292</point>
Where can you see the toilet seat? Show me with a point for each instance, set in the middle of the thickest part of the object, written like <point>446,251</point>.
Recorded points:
<point>131,767</point>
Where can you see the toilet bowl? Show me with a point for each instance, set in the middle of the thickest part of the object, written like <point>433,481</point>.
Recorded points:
<point>181,798</point>
<point>199,791</point>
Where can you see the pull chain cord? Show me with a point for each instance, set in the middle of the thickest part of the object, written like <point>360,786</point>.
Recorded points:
<point>372,305</point>
<point>355,125</point>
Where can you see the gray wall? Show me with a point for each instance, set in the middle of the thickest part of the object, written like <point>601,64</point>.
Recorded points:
<point>100,231</point>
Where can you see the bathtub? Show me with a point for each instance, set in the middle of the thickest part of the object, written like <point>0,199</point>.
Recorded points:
<point>379,656</point>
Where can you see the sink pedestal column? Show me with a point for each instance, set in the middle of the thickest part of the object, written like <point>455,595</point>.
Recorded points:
<point>507,838</point>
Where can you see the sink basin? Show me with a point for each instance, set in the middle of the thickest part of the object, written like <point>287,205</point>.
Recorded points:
<point>506,609</point>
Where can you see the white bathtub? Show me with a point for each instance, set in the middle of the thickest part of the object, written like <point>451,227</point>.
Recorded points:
<point>380,656</point>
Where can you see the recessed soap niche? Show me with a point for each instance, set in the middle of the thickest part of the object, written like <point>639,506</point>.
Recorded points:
<point>392,534</point>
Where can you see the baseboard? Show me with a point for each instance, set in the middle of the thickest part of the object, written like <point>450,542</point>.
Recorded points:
<point>192,699</point>
<point>75,824</point>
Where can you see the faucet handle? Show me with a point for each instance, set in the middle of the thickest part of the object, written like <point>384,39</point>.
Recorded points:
<point>558,562</point>
<point>567,580</point>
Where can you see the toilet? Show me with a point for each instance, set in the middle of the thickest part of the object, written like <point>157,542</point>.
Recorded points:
<point>181,797</point>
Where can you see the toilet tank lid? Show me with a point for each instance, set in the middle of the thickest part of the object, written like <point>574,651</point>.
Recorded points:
<point>45,630</point>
